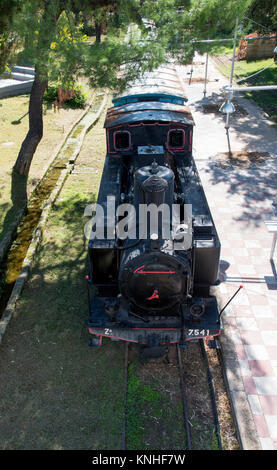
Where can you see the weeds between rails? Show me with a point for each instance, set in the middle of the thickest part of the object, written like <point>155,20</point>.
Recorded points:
<point>159,412</point>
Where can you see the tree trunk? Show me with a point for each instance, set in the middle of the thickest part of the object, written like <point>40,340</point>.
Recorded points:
<point>51,14</point>
<point>98,31</point>
<point>35,133</point>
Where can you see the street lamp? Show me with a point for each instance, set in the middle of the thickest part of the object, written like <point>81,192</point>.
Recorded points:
<point>206,74</point>
<point>227,107</point>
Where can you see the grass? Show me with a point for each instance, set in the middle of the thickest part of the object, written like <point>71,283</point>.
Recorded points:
<point>221,48</point>
<point>55,391</point>
<point>154,408</point>
<point>267,100</point>
<point>139,397</point>
<point>13,129</point>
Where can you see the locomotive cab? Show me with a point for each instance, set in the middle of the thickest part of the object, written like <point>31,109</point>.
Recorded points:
<point>157,126</point>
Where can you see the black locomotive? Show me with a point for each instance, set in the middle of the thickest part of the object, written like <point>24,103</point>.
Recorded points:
<point>153,287</point>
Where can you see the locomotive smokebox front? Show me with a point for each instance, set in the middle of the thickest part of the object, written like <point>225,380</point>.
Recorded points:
<point>153,281</point>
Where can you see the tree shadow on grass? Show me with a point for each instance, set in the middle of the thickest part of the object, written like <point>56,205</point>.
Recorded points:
<point>59,393</point>
<point>19,202</point>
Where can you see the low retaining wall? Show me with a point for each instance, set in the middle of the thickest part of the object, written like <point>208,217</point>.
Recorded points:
<point>18,82</point>
<point>257,48</point>
<point>14,89</point>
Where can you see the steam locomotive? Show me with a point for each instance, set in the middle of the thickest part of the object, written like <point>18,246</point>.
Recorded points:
<point>152,286</point>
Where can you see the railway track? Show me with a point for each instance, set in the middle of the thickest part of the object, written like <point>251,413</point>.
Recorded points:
<point>193,418</point>
<point>224,61</point>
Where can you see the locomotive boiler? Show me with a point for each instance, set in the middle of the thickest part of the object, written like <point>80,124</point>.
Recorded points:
<point>156,256</point>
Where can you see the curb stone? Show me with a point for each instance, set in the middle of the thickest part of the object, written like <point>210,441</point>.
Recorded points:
<point>241,411</point>
<point>37,233</point>
<point>7,239</point>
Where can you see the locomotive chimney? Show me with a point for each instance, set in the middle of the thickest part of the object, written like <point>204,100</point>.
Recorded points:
<point>154,189</point>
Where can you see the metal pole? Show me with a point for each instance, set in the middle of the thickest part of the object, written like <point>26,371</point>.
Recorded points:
<point>234,51</point>
<point>191,70</point>
<point>250,88</point>
<point>231,83</point>
<point>206,74</point>
<point>228,139</point>
<point>227,121</point>
<point>222,310</point>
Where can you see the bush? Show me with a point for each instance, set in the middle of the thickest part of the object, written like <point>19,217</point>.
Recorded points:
<point>78,100</point>
<point>51,94</point>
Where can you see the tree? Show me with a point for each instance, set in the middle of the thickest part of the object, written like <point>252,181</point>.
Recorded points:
<point>59,51</point>
<point>8,8</point>
<point>264,14</point>
<point>192,20</point>
<point>39,28</point>
<point>55,43</point>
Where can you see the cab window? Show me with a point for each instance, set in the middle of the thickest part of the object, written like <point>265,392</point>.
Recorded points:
<point>176,138</point>
<point>122,140</point>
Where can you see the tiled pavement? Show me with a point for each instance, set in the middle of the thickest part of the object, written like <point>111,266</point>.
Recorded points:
<point>240,200</point>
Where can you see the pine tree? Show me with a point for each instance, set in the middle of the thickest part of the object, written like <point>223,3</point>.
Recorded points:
<point>55,44</point>
<point>8,8</point>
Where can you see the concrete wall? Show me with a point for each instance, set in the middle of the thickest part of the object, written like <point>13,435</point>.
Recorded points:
<point>260,48</point>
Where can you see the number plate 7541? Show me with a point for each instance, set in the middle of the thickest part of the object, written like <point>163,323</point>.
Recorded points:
<point>197,332</point>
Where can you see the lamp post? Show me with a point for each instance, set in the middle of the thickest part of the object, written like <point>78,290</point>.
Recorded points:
<point>232,73</point>
<point>228,108</point>
<point>206,74</point>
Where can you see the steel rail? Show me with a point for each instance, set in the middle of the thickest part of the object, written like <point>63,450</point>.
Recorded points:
<point>212,394</point>
<point>184,399</point>
<point>123,441</point>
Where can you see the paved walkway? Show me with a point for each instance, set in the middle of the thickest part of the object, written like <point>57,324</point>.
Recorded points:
<point>240,200</point>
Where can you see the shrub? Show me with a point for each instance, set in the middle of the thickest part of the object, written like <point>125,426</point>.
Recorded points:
<point>78,100</point>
